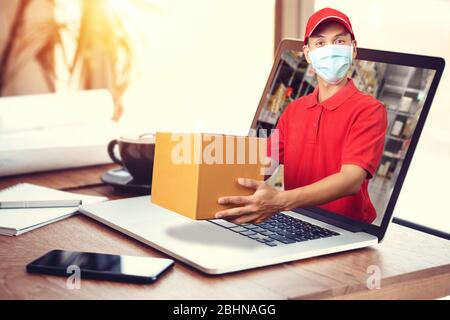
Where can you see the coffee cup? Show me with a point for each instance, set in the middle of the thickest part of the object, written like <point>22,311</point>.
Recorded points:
<point>136,155</point>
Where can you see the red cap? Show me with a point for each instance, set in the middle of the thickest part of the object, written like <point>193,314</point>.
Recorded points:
<point>327,14</point>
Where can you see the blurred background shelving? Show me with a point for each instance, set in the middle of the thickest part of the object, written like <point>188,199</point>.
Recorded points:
<point>293,79</point>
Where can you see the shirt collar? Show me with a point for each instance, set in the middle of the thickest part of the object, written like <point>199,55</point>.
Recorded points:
<point>335,100</point>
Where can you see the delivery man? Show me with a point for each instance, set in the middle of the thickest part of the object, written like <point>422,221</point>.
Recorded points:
<point>330,141</point>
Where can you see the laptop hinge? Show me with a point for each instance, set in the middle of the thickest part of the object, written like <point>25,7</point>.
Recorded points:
<point>328,219</point>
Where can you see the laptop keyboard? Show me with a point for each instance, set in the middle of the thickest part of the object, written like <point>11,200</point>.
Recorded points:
<point>280,229</point>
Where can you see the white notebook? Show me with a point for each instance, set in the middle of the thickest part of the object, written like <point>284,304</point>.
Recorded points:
<point>14,222</point>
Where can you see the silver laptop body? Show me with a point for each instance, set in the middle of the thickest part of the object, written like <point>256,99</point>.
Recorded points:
<point>209,247</point>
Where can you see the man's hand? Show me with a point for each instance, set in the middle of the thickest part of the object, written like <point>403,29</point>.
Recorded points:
<point>265,202</point>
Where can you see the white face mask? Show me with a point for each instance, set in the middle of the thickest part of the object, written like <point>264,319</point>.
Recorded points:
<point>331,62</point>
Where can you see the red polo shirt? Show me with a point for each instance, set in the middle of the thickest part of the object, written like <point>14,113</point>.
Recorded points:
<point>316,139</point>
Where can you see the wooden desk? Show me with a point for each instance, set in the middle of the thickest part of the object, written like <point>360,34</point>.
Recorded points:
<point>413,264</point>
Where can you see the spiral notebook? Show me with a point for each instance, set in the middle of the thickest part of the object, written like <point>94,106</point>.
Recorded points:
<point>14,222</point>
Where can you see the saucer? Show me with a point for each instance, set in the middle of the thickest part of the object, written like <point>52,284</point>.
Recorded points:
<point>121,179</point>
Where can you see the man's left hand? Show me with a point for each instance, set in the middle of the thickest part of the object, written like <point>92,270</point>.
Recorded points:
<point>265,202</point>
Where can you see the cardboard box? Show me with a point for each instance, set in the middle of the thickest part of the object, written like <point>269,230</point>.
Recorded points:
<point>191,171</point>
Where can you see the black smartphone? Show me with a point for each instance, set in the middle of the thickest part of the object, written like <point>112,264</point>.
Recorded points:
<point>101,266</point>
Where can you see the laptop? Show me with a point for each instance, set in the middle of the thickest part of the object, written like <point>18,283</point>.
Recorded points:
<point>405,83</point>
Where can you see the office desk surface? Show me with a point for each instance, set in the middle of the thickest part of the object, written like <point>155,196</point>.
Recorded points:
<point>412,264</point>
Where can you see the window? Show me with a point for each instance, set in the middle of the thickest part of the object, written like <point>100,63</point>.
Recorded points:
<point>203,68</point>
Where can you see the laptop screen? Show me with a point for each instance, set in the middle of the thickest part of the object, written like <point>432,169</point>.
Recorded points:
<point>402,89</point>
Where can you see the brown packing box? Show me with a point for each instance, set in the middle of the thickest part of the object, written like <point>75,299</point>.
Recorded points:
<point>191,171</point>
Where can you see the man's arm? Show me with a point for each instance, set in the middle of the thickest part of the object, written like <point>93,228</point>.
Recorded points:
<point>346,182</point>
<point>267,200</point>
